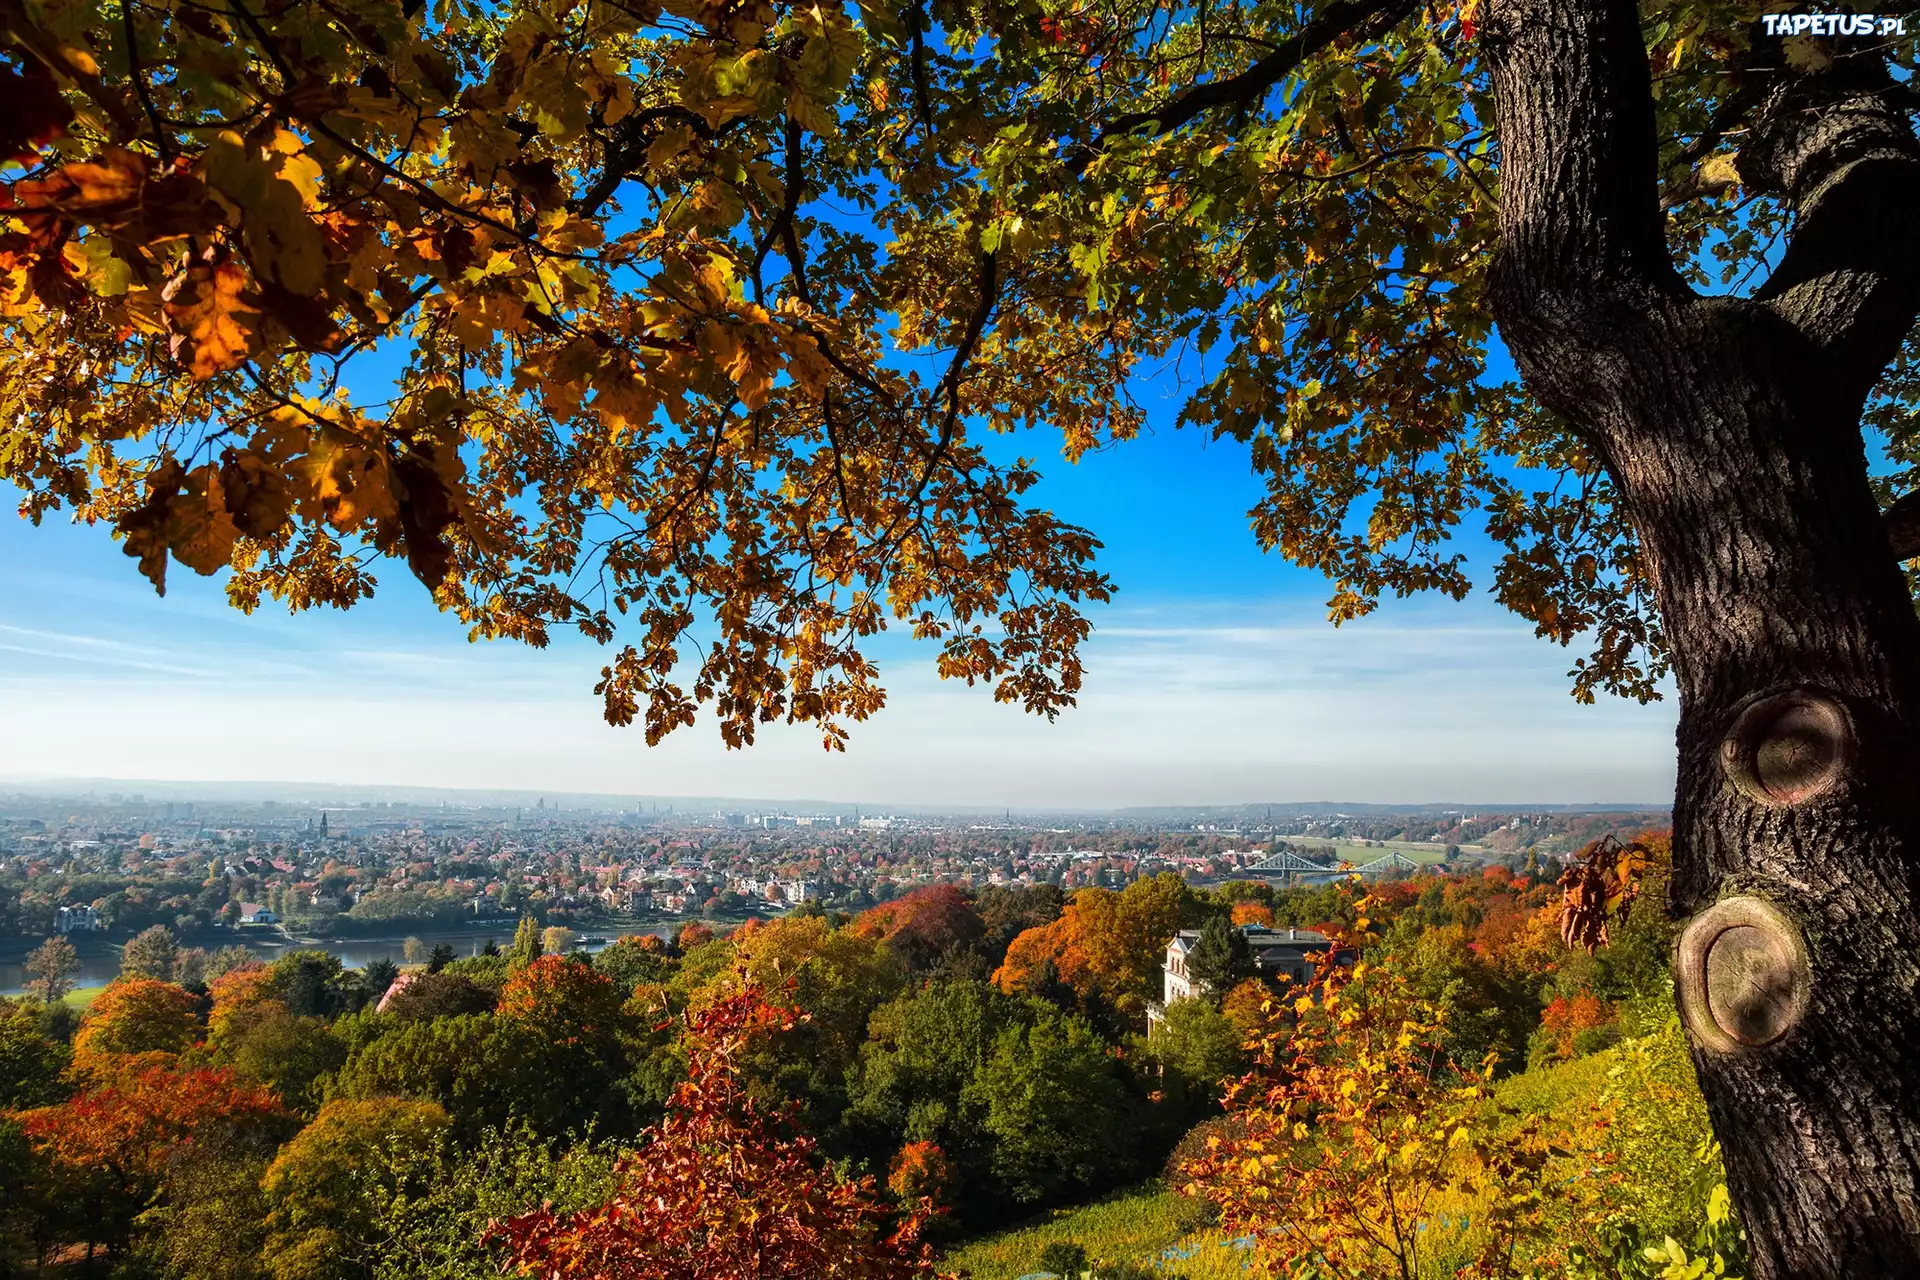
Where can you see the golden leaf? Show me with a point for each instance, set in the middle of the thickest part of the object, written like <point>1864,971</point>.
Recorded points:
<point>199,530</point>
<point>210,318</point>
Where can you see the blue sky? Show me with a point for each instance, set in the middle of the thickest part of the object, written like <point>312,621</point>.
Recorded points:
<point>1212,678</point>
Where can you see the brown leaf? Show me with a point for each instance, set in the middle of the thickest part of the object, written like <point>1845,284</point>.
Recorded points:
<point>32,112</point>
<point>539,180</point>
<point>308,320</point>
<point>350,481</point>
<point>211,319</point>
<point>199,530</point>
<point>143,531</point>
<point>256,493</point>
<point>426,510</point>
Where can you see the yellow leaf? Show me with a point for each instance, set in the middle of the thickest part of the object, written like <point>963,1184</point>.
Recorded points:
<point>269,193</point>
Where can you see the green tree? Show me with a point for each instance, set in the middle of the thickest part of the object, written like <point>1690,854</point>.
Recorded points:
<point>486,1071</point>
<point>440,957</point>
<point>1196,1049</point>
<point>1059,1109</point>
<point>151,953</point>
<point>289,1054</point>
<point>32,1058</point>
<point>326,1187</point>
<point>1484,1010</point>
<point>912,1083</point>
<point>413,951</point>
<point>1220,959</point>
<point>210,1223</point>
<point>630,961</point>
<point>314,984</point>
<point>526,946</point>
<point>190,967</point>
<point>52,965</point>
<point>441,1229</point>
<point>377,976</point>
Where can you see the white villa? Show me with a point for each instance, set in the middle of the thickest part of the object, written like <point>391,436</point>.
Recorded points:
<point>72,919</point>
<point>1276,952</point>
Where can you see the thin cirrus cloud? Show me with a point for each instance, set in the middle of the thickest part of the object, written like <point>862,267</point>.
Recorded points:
<point>1184,703</point>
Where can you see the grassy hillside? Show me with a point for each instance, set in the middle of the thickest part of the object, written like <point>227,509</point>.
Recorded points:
<point>1147,1225</point>
<point>1151,1226</point>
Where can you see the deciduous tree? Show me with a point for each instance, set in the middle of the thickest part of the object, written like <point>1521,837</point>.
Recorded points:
<point>108,1146</point>
<point>31,1059</point>
<point>150,954</point>
<point>924,924</point>
<point>647,386</point>
<point>322,1189</point>
<point>51,967</point>
<point>722,1188</point>
<point>136,1016</point>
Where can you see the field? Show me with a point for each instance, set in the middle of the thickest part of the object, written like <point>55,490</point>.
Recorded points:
<point>81,997</point>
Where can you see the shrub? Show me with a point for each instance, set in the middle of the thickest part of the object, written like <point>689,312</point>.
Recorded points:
<point>1064,1258</point>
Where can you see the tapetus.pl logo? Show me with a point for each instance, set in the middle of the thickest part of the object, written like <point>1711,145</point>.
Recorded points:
<point>1834,24</point>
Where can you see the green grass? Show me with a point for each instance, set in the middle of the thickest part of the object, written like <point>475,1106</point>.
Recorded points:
<point>81,997</point>
<point>1133,1225</point>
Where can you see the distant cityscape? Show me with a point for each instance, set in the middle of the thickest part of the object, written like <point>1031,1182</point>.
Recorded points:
<point>313,867</point>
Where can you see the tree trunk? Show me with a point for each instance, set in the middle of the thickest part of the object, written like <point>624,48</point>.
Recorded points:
<point>1731,427</point>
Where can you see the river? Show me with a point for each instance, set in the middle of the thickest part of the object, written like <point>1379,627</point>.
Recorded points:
<point>100,960</point>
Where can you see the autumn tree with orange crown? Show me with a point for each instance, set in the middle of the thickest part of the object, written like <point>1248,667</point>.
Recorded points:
<point>646,264</point>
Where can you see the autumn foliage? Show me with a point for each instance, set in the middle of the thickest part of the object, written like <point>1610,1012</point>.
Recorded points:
<point>136,1016</point>
<point>570,1002</point>
<point>1104,945</point>
<point>921,1172</point>
<point>1565,1018</point>
<point>1253,913</point>
<point>127,1127</point>
<point>924,923</point>
<point>1352,1128</point>
<point>722,1189</point>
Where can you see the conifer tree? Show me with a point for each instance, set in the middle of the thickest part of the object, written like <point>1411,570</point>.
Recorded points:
<point>1220,958</point>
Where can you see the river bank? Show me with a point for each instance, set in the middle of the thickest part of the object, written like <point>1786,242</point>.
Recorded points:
<point>100,958</point>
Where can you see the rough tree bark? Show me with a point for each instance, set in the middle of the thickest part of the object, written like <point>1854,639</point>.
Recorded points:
<point>1732,429</point>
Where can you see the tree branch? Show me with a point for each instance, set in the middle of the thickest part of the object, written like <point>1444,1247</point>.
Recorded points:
<point>1902,521</point>
<point>635,134</point>
<point>1362,19</point>
<point>1835,146</point>
<point>1582,238</point>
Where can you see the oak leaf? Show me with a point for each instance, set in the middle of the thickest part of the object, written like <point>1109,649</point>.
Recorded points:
<point>211,318</point>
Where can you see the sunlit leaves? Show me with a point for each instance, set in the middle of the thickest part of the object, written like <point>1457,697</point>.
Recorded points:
<point>702,309</point>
